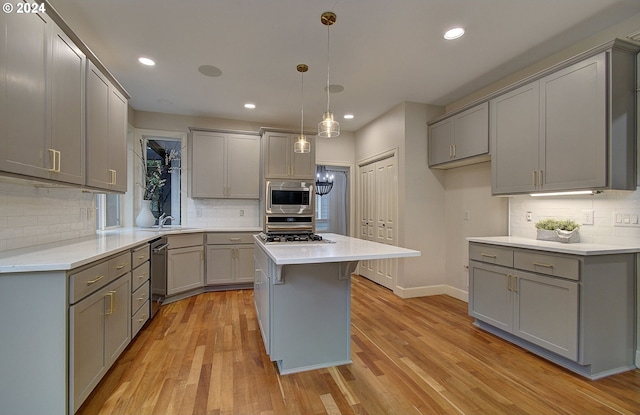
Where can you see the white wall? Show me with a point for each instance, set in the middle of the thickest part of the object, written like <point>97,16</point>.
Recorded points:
<point>470,210</point>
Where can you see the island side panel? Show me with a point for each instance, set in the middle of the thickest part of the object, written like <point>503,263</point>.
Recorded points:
<point>311,322</point>
<point>33,344</point>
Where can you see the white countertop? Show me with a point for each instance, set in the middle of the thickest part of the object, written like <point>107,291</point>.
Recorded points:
<point>549,246</point>
<point>343,249</point>
<point>67,255</point>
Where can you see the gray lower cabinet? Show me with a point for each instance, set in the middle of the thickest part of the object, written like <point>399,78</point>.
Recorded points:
<point>230,258</point>
<point>571,129</point>
<point>99,323</point>
<point>577,311</point>
<point>185,263</point>
<point>140,288</point>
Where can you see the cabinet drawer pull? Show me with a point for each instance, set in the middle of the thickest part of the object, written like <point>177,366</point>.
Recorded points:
<point>143,318</point>
<point>234,239</point>
<point>539,264</point>
<point>119,267</point>
<point>489,255</point>
<point>142,277</point>
<point>142,257</point>
<point>96,279</point>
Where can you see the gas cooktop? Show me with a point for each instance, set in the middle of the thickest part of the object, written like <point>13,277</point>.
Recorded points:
<point>291,237</point>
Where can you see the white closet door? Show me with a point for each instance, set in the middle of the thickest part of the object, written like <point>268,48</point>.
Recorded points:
<point>378,216</point>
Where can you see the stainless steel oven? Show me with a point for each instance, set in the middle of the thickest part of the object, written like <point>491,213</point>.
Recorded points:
<point>289,198</point>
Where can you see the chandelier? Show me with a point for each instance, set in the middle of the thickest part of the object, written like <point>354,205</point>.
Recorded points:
<point>324,181</point>
<point>328,127</point>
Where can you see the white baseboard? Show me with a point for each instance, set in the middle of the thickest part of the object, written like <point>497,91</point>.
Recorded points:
<point>432,290</point>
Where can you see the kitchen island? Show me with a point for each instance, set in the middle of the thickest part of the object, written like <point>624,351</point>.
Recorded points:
<point>302,294</point>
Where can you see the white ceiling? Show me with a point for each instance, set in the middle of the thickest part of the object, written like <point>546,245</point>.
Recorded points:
<point>383,52</point>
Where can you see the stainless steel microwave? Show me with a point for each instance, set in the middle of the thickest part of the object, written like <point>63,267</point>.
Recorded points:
<point>289,197</point>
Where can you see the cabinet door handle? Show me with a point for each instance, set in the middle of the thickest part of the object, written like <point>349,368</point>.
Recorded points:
<point>114,176</point>
<point>540,264</point>
<point>55,161</point>
<point>112,302</point>
<point>454,151</point>
<point>533,178</point>
<point>514,284</point>
<point>509,282</point>
<point>96,279</point>
<point>540,178</point>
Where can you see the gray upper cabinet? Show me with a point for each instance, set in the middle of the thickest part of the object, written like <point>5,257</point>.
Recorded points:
<point>281,162</point>
<point>460,139</point>
<point>225,165</point>
<point>571,129</point>
<point>41,121</point>
<point>106,133</point>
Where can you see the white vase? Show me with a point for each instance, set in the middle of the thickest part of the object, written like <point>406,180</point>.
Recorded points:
<point>145,218</point>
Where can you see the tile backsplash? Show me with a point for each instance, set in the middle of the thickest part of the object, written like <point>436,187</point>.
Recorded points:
<point>606,207</point>
<point>223,213</point>
<point>34,214</point>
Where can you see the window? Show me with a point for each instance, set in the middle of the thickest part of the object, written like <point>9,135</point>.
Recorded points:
<point>322,213</point>
<point>107,211</point>
<point>163,160</point>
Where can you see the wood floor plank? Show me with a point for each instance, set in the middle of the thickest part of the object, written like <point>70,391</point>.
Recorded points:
<point>204,356</point>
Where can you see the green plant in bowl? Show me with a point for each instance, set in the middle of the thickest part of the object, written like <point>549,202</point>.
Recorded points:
<point>554,224</point>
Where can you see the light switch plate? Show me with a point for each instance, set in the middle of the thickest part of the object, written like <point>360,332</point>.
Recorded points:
<point>628,218</point>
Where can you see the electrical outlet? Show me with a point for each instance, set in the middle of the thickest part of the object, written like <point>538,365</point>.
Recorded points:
<point>241,212</point>
<point>587,217</point>
<point>529,216</point>
<point>198,212</point>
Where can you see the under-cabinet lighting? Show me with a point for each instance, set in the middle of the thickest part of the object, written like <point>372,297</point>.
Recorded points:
<point>570,193</point>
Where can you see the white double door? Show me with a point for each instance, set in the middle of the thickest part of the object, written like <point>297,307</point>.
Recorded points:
<point>378,215</point>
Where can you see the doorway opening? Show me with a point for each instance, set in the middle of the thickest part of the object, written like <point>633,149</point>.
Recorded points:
<point>332,209</point>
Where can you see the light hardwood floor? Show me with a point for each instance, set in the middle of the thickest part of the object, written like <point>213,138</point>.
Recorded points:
<point>204,355</point>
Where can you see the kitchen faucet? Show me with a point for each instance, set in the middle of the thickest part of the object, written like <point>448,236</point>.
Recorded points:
<point>163,218</point>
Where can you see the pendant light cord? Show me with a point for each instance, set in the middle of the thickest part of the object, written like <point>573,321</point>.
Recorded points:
<point>328,96</point>
<point>302,106</point>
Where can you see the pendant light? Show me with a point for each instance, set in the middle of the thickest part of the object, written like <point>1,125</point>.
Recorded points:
<point>328,128</point>
<point>302,145</point>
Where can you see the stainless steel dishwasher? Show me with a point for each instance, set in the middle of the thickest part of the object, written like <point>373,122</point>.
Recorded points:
<point>158,273</point>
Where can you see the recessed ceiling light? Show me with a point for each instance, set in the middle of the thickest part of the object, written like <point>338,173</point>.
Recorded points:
<point>348,116</point>
<point>454,33</point>
<point>249,106</point>
<point>146,61</point>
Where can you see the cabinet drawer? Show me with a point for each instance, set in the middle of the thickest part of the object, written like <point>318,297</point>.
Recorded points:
<point>139,256</point>
<point>139,297</point>
<point>84,282</point>
<point>491,254</point>
<point>139,276</point>
<point>558,266</point>
<point>230,238</point>
<point>183,241</point>
<point>139,318</point>
<point>119,265</point>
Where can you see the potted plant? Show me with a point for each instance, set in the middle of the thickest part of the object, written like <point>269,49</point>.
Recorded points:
<point>559,230</point>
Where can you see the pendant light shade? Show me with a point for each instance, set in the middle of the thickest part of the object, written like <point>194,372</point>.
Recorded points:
<point>302,145</point>
<point>328,127</point>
